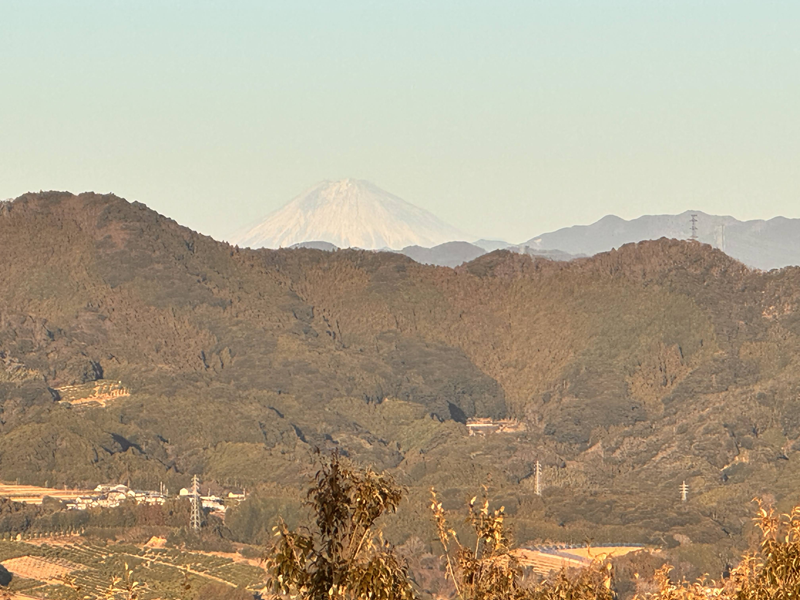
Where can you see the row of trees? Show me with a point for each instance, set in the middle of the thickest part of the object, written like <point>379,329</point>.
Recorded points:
<point>343,555</point>
<point>50,516</point>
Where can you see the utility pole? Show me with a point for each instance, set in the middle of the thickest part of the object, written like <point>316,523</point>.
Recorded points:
<point>196,504</point>
<point>684,492</point>
<point>537,479</point>
<point>694,228</point>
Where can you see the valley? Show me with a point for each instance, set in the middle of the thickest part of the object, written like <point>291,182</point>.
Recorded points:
<point>629,373</point>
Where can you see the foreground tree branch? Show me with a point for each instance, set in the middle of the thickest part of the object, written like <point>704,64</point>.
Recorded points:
<point>342,555</point>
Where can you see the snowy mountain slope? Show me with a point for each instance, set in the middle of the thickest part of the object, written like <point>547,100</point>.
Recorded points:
<point>349,213</point>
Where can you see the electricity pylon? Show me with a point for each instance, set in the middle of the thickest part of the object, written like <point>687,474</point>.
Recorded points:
<point>196,504</point>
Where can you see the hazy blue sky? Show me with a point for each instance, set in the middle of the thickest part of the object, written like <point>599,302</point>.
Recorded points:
<point>506,119</point>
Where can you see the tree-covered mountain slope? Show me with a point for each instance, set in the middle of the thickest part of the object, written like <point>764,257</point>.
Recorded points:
<point>632,371</point>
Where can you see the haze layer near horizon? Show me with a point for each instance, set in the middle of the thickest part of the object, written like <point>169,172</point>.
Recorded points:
<point>506,119</point>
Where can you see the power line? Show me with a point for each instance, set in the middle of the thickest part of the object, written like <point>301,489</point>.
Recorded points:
<point>537,479</point>
<point>684,492</point>
<point>694,228</point>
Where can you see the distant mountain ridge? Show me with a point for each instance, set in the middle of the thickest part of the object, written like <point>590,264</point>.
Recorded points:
<point>761,244</point>
<point>353,213</point>
<point>449,254</point>
<point>349,214</point>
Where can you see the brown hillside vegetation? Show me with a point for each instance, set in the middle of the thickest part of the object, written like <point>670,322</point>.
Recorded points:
<point>632,371</point>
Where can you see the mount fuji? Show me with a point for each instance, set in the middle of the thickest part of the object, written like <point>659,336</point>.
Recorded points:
<point>349,213</point>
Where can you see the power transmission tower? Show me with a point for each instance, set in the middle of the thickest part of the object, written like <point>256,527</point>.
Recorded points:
<point>537,479</point>
<point>684,492</point>
<point>694,228</point>
<point>196,504</point>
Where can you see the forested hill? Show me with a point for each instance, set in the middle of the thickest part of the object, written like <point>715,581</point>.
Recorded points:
<point>632,370</point>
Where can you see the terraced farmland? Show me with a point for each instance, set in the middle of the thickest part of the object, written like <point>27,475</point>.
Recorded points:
<point>546,559</point>
<point>100,392</point>
<point>40,569</point>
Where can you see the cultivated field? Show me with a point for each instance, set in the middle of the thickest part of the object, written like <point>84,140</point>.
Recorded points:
<point>32,494</point>
<point>50,570</point>
<point>547,559</point>
<point>40,569</point>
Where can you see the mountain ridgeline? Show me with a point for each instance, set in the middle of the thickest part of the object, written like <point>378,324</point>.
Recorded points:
<point>358,214</point>
<point>348,213</point>
<point>631,371</point>
<point>766,245</point>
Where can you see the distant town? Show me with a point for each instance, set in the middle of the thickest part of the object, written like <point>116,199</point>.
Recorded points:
<point>111,495</point>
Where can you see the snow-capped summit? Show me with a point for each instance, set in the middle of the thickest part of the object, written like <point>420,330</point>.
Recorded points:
<point>349,213</point>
